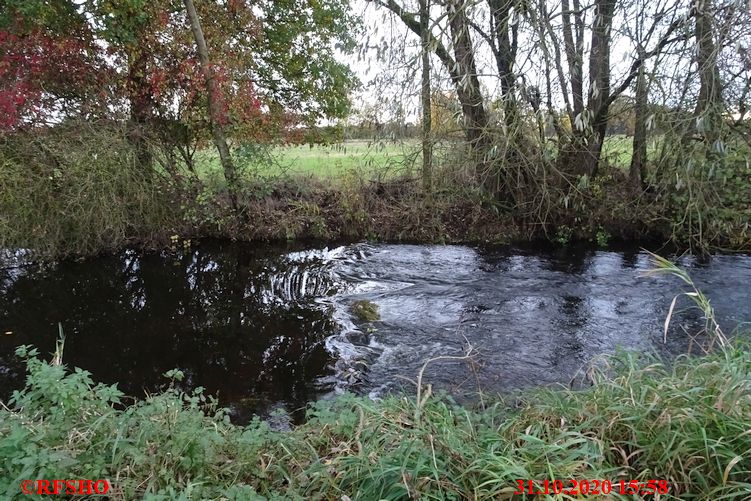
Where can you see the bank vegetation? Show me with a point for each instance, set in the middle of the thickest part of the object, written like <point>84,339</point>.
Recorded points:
<point>110,107</point>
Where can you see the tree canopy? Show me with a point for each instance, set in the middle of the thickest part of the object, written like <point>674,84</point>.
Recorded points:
<point>274,62</point>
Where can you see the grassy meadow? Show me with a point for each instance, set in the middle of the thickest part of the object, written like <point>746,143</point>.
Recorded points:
<point>330,162</point>
<point>617,151</point>
<point>372,159</point>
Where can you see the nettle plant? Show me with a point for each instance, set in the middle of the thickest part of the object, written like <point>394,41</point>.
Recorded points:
<point>64,425</point>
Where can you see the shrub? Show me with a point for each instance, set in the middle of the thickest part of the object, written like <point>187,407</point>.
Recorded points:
<point>76,189</point>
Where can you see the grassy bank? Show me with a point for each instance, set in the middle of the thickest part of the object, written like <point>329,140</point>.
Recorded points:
<point>78,189</point>
<point>687,424</point>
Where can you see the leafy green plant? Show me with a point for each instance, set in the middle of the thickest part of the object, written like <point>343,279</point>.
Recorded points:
<point>641,420</point>
<point>563,235</point>
<point>602,237</point>
<point>66,426</point>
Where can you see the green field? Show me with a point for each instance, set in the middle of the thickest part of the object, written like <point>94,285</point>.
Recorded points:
<point>374,159</point>
<point>330,161</point>
<point>617,150</point>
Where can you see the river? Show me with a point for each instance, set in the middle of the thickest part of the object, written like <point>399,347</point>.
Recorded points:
<point>269,327</point>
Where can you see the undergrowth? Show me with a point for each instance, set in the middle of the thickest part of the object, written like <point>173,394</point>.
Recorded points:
<point>78,189</point>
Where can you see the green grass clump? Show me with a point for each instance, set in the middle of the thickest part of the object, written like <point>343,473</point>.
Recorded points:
<point>687,423</point>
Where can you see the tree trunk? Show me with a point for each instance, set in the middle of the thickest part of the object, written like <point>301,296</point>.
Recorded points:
<point>586,150</point>
<point>709,104</point>
<point>468,91</point>
<point>220,140</point>
<point>637,169</point>
<point>588,143</point>
<point>505,53</point>
<point>427,144</point>
<point>546,33</point>
<point>574,53</point>
<point>141,108</point>
<point>506,38</point>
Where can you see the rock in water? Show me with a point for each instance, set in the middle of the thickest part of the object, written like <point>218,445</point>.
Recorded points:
<point>366,311</point>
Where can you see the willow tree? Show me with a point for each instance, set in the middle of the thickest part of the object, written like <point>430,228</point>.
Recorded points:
<point>590,113</point>
<point>458,61</point>
<point>709,103</point>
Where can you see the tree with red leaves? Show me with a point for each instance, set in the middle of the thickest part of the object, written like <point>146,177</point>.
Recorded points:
<point>273,64</point>
<point>48,72</point>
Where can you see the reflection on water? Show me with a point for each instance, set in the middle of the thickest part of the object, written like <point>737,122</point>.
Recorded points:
<point>239,321</point>
<point>269,327</point>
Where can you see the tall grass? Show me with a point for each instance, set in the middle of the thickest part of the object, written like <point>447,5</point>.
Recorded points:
<point>687,424</point>
<point>712,334</point>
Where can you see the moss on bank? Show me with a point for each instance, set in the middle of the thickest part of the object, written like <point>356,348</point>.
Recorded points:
<point>687,424</point>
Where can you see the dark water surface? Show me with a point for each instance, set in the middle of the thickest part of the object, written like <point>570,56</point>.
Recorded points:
<point>268,327</point>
